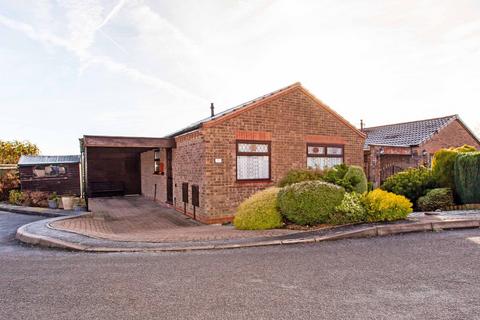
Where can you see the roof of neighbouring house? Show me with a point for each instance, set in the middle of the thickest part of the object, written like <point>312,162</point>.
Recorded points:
<point>33,160</point>
<point>407,133</point>
<point>253,103</point>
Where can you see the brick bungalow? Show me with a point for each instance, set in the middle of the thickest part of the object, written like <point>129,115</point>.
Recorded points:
<point>392,148</point>
<point>208,168</point>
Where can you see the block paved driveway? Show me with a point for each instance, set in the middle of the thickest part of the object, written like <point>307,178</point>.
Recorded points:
<point>135,218</point>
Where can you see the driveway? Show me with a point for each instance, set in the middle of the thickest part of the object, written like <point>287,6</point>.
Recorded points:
<point>414,276</point>
<point>135,218</point>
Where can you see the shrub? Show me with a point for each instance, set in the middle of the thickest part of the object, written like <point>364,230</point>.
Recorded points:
<point>337,175</point>
<point>443,165</point>
<point>16,197</point>
<point>259,211</point>
<point>300,175</point>
<point>350,210</point>
<point>386,206</point>
<point>356,173</point>
<point>309,202</point>
<point>411,183</point>
<point>35,198</point>
<point>439,198</point>
<point>8,181</point>
<point>467,177</point>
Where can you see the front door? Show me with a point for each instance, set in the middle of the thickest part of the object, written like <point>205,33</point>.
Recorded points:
<point>169,176</point>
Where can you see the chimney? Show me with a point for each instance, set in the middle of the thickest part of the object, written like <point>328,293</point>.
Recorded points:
<point>362,125</point>
<point>212,109</point>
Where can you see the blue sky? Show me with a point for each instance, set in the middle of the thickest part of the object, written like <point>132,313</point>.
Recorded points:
<point>147,68</point>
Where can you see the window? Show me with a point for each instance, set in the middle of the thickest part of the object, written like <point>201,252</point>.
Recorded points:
<point>253,160</point>
<point>49,171</point>
<point>157,166</point>
<point>323,156</point>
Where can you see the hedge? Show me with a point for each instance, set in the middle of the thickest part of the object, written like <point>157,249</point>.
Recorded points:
<point>467,177</point>
<point>443,165</point>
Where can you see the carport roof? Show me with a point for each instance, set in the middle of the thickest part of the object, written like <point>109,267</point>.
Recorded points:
<point>126,142</point>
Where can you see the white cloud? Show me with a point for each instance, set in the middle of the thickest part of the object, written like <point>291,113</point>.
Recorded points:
<point>81,40</point>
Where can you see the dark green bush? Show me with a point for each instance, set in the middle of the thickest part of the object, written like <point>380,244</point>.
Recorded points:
<point>351,210</point>
<point>338,175</point>
<point>309,202</point>
<point>356,173</point>
<point>300,175</point>
<point>443,165</point>
<point>259,211</point>
<point>439,198</point>
<point>411,183</point>
<point>467,177</point>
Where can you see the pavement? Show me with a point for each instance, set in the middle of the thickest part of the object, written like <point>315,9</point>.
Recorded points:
<point>43,212</point>
<point>426,275</point>
<point>45,233</point>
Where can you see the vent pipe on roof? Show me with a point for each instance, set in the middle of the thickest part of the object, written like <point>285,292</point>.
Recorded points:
<point>362,125</point>
<point>212,109</point>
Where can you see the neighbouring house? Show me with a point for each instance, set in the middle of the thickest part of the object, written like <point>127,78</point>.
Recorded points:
<point>208,168</point>
<point>393,148</point>
<point>60,174</point>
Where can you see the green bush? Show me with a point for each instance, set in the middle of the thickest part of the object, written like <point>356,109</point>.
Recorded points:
<point>309,202</point>
<point>300,175</point>
<point>467,177</point>
<point>16,197</point>
<point>411,183</point>
<point>443,165</point>
<point>259,211</point>
<point>356,173</point>
<point>351,210</point>
<point>386,206</point>
<point>438,198</point>
<point>338,175</point>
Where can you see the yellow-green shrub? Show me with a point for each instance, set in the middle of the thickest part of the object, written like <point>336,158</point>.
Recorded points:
<point>259,211</point>
<point>386,206</point>
<point>443,165</point>
<point>16,197</point>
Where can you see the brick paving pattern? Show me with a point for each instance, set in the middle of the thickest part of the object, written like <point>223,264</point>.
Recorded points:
<point>139,219</point>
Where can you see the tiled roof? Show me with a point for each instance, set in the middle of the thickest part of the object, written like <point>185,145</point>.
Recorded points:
<point>198,124</point>
<point>32,160</point>
<point>407,133</point>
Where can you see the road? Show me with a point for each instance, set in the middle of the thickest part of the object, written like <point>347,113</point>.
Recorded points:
<point>414,276</point>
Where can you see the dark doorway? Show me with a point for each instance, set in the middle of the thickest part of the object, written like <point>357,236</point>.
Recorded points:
<point>169,176</point>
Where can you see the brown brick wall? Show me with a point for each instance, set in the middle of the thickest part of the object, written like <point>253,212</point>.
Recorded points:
<point>454,135</point>
<point>149,179</point>
<point>189,166</point>
<point>291,119</point>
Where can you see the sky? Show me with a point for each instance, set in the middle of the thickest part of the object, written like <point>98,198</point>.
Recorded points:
<point>148,68</point>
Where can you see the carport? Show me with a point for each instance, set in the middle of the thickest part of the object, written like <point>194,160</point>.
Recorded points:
<point>111,165</point>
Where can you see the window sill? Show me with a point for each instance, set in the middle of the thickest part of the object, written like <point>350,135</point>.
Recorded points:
<point>256,181</point>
